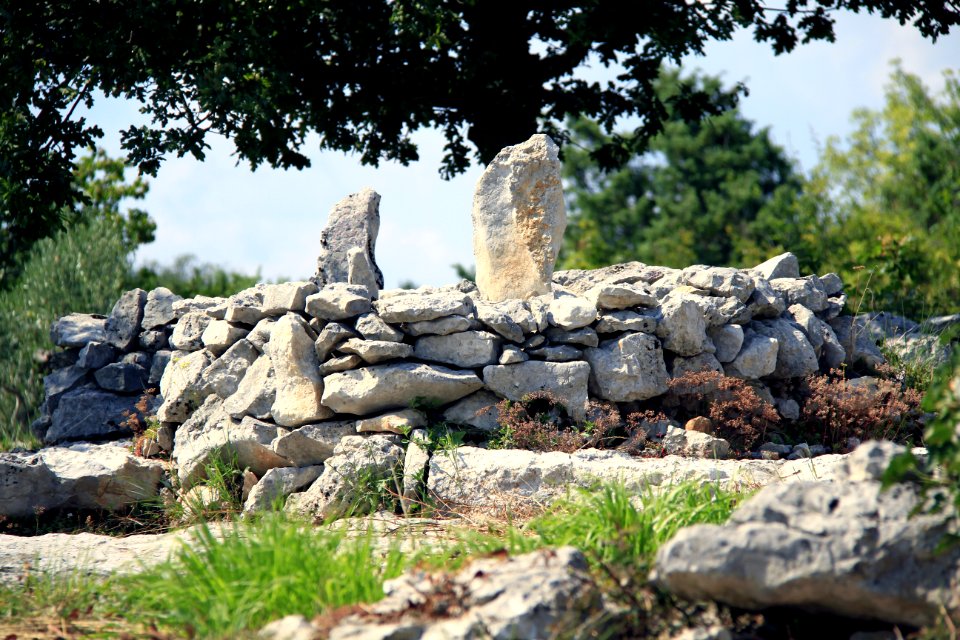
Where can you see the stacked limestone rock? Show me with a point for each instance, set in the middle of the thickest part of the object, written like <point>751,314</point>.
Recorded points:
<point>279,375</point>
<point>111,361</point>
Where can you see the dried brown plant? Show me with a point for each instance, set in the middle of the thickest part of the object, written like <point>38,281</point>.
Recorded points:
<point>540,422</point>
<point>836,409</point>
<point>739,414</point>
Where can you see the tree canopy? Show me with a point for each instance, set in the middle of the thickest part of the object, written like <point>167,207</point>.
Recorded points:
<point>882,207</point>
<point>363,75</point>
<point>693,198</point>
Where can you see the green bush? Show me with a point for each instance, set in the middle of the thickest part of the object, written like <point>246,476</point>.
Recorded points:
<point>81,269</point>
<point>940,470</point>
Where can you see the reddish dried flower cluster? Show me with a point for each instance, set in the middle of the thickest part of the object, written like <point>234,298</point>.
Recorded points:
<point>135,421</point>
<point>837,409</point>
<point>739,414</point>
<point>539,422</point>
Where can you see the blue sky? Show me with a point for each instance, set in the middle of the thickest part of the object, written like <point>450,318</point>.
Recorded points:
<point>271,219</point>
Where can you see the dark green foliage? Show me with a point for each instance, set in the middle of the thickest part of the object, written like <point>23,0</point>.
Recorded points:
<point>189,277</point>
<point>693,198</point>
<point>940,470</point>
<point>882,208</point>
<point>362,75</point>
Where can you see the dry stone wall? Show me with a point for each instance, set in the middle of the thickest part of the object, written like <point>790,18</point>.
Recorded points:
<point>279,374</point>
<point>290,361</point>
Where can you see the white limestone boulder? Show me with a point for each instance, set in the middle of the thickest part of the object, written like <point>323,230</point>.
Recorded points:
<point>311,444</point>
<point>566,381</point>
<point>469,349</point>
<point>181,385</point>
<point>348,243</point>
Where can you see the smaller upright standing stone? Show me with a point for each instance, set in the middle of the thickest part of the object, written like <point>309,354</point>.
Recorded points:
<point>348,243</point>
<point>123,324</point>
<point>518,221</point>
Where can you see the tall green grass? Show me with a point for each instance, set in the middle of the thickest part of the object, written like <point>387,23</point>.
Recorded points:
<point>256,573</point>
<point>81,269</point>
<point>611,525</point>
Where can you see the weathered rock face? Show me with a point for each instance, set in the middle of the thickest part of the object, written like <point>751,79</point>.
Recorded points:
<point>567,381</point>
<point>468,349</point>
<point>256,392</point>
<point>757,357</point>
<point>181,385</point>
<point>348,243</point>
<point>211,432</point>
<point>77,330</point>
<point>80,476</point>
<point>630,368</point>
<point>847,547</point>
<point>223,376</point>
<point>158,310</point>
<point>533,596</point>
<point>312,444</point>
<point>478,410</point>
<point>476,477</point>
<point>518,221</point>
<point>123,323</point>
<point>339,301</point>
<point>357,463</point>
<point>90,414</point>
<point>278,483</point>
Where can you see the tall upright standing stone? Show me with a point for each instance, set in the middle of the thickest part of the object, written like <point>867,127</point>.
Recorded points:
<point>518,221</point>
<point>348,243</point>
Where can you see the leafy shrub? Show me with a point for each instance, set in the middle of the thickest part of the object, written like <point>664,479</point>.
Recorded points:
<point>540,422</point>
<point>940,469</point>
<point>837,409</point>
<point>81,269</point>
<point>739,414</point>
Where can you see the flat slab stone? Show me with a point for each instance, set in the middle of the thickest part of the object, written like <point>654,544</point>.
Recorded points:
<point>86,553</point>
<point>474,477</point>
<point>395,386</point>
<point>76,330</point>
<point>419,307</point>
<point>90,414</point>
<point>468,349</point>
<point>80,476</point>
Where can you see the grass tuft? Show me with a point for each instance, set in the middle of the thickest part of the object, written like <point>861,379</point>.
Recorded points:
<point>252,574</point>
